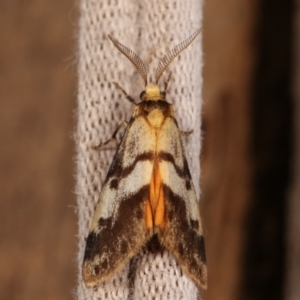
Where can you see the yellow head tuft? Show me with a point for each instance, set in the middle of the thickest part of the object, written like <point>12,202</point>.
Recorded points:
<point>152,92</point>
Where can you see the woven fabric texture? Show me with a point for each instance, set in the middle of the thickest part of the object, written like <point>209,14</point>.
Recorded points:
<point>150,28</point>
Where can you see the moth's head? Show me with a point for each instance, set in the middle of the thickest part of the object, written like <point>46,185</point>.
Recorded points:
<point>152,92</point>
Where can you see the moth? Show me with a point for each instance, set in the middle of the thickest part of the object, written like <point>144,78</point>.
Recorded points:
<point>148,193</point>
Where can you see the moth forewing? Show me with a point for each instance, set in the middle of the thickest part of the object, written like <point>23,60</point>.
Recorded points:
<point>148,193</point>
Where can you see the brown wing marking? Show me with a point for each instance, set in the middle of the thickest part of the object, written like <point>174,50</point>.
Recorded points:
<point>118,240</point>
<point>184,239</point>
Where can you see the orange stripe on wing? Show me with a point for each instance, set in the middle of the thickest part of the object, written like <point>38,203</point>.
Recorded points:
<point>148,215</point>
<point>155,206</point>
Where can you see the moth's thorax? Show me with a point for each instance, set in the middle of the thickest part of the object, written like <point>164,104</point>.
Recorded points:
<point>156,117</point>
<point>154,107</point>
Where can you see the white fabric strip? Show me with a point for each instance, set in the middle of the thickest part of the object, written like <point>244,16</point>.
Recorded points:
<point>150,28</point>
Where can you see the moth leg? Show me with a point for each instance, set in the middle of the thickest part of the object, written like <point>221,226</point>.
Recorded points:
<point>113,137</point>
<point>129,98</point>
<point>167,81</point>
<point>186,133</point>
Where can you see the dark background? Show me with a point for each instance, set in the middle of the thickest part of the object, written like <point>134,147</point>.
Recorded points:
<point>247,153</point>
<point>38,98</point>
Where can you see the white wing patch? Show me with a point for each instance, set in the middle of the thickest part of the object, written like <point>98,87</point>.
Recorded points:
<point>169,141</point>
<point>139,139</point>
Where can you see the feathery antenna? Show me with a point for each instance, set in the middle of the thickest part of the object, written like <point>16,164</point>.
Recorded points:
<point>133,57</point>
<point>172,54</point>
